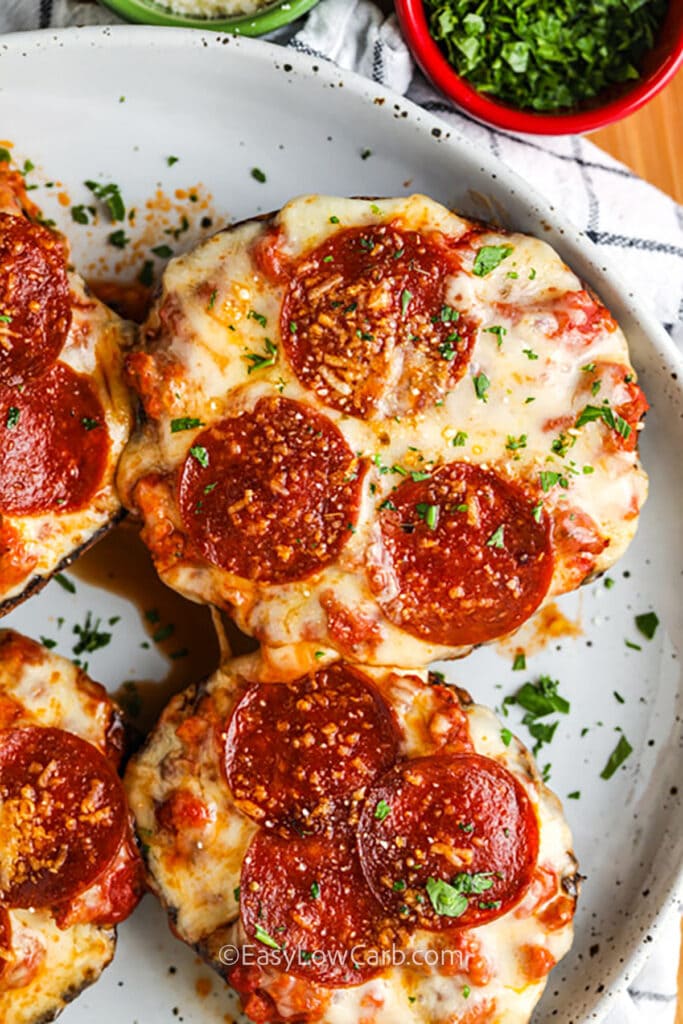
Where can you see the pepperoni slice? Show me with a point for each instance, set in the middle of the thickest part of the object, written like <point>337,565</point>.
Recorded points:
<point>366,322</point>
<point>35,302</point>
<point>62,816</point>
<point>299,755</point>
<point>448,841</point>
<point>309,898</point>
<point>465,556</point>
<point>272,494</point>
<point>54,444</point>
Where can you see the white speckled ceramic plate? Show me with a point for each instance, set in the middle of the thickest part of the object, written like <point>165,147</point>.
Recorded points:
<point>114,104</point>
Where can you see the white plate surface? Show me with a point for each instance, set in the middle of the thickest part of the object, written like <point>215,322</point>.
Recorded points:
<point>225,106</point>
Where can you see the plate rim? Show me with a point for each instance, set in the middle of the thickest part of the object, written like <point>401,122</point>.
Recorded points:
<point>328,73</point>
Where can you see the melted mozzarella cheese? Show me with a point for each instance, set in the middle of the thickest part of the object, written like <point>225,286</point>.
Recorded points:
<point>95,347</point>
<point>534,378</point>
<point>196,875</point>
<point>51,965</point>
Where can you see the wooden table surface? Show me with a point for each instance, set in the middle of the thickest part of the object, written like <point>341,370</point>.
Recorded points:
<point>650,142</point>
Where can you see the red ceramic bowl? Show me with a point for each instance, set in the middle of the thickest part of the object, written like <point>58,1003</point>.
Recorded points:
<point>660,65</point>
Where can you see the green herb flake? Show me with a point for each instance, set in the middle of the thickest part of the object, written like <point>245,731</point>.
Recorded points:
<point>262,936</point>
<point>647,624</point>
<point>89,424</point>
<point>499,331</point>
<point>315,890</point>
<point>258,175</point>
<point>445,899</point>
<point>170,160</point>
<point>608,582</point>
<point>111,196</point>
<point>12,418</point>
<point>382,810</point>
<point>258,317</point>
<point>65,583</point>
<point>481,386</point>
<point>119,239</point>
<point>506,737</point>
<point>603,412</point>
<point>489,257</point>
<point>260,361</point>
<point>199,452</point>
<point>632,646</point>
<point>334,219</point>
<point>460,439</point>
<point>406,296</point>
<point>576,795</point>
<point>617,696</point>
<point>81,214</point>
<point>185,423</point>
<point>164,252</point>
<point>146,275</point>
<point>515,443</point>
<point>466,990</point>
<point>529,353</point>
<point>48,643</point>
<point>90,637</point>
<point>497,538</point>
<point>621,752</point>
<point>519,664</point>
<point>428,513</point>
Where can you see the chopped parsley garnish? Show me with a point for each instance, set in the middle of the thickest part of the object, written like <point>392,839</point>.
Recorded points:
<point>418,474</point>
<point>261,362</point>
<point>81,214</point>
<point>562,444</point>
<point>212,299</point>
<point>315,890</point>
<point>622,750</point>
<point>646,623</point>
<point>489,257</point>
<point>537,511</point>
<point>382,810</point>
<point>199,452</point>
<point>499,331</point>
<point>119,239</point>
<point>497,538</point>
<point>146,275</point>
<point>89,424</point>
<point>334,219</point>
<point>428,513</point>
<point>90,636</point>
<point>575,795</point>
<point>506,737</point>
<point>608,582</point>
<point>65,583</point>
<point>514,443</point>
<point>603,412</point>
<point>406,296</point>
<point>539,700</point>
<point>632,646</point>
<point>617,696</point>
<point>163,633</point>
<point>448,315</point>
<point>460,439</point>
<point>529,353</point>
<point>327,259</point>
<point>170,160</point>
<point>374,208</point>
<point>5,156</point>
<point>365,153</point>
<point>466,990</point>
<point>445,899</point>
<point>5,318</point>
<point>399,885</point>
<point>446,350</point>
<point>481,386</point>
<point>541,56</point>
<point>549,478</point>
<point>387,505</point>
<point>47,642</point>
<point>519,664</point>
<point>12,419</point>
<point>262,936</point>
<point>185,423</point>
<point>111,196</point>
<point>258,317</point>
<point>164,252</point>
<point>258,175</point>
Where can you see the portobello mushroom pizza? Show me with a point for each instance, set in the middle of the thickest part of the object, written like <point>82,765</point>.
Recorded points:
<point>381,429</point>
<point>65,413</point>
<point>69,866</point>
<point>355,843</point>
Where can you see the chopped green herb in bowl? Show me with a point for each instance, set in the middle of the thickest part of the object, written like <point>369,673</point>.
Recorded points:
<point>546,66</point>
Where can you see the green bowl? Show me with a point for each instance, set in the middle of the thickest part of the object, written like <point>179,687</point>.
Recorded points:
<point>274,15</point>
